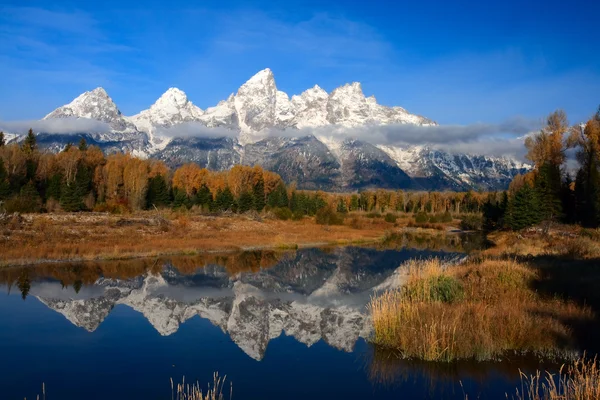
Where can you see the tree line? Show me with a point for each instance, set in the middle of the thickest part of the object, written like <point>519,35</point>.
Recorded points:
<point>82,178</point>
<point>549,192</point>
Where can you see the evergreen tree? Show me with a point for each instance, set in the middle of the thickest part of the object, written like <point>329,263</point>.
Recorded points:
<point>158,192</point>
<point>258,195</point>
<point>29,198</point>
<point>548,186</point>
<point>83,144</point>
<point>354,203</point>
<point>245,202</point>
<point>569,202</point>
<point>69,198</point>
<point>83,183</point>
<point>30,143</point>
<point>68,147</point>
<point>224,200</point>
<point>180,199</point>
<point>2,140</point>
<point>4,184</point>
<point>278,197</point>
<point>204,197</point>
<point>523,209</point>
<point>54,184</point>
<point>294,202</point>
<point>341,206</point>
<point>24,284</point>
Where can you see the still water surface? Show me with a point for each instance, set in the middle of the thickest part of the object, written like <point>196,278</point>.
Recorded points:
<point>279,325</point>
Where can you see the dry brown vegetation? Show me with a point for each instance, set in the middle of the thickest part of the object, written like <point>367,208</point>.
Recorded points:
<point>476,310</point>
<point>579,380</point>
<point>92,236</point>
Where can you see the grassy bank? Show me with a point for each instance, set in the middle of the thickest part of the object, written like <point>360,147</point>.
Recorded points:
<point>29,238</point>
<point>515,297</point>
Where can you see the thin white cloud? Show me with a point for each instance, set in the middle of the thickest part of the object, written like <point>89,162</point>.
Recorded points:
<point>56,126</point>
<point>196,130</point>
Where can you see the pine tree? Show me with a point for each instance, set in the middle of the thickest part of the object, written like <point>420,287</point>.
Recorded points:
<point>548,186</point>
<point>69,199</point>
<point>204,198</point>
<point>180,199</point>
<point>2,139</point>
<point>158,192</point>
<point>83,144</point>
<point>245,202</point>
<point>30,143</point>
<point>341,206</point>
<point>54,184</point>
<point>24,284</point>
<point>30,200</point>
<point>68,147</point>
<point>224,200</point>
<point>278,197</point>
<point>523,209</point>
<point>4,184</point>
<point>258,195</point>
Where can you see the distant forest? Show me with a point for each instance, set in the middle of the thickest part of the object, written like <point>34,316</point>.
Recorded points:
<point>82,178</point>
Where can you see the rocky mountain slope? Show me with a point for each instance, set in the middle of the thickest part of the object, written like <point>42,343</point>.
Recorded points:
<point>260,124</point>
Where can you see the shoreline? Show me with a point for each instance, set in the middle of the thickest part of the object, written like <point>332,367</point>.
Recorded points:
<point>34,239</point>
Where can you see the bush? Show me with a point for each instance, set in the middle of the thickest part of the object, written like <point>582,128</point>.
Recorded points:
<point>298,215</point>
<point>389,217</point>
<point>328,216</point>
<point>373,215</point>
<point>421,217</point>
<point>471,223</point>
<point>21,204</point>
<point>282,213</point>
<point>356,223</point>
<point>446,289</point>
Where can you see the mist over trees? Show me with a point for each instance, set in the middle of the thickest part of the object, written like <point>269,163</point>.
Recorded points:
<point>549,193</point>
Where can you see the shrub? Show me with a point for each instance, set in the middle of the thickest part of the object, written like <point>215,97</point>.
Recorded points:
<point>328,216</point>
<point>298,215</point>
<point>22,204</point>
<point>421,217</point>
<point>389,217</point>
<point>447,217</point>
<point>282,213</point>
<point>471,223</point>
<point>356,223</point>
<point>373,215</point>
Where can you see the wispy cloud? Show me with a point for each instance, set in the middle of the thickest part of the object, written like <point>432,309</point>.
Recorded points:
<point>56,126</point>
<point>197,130</point>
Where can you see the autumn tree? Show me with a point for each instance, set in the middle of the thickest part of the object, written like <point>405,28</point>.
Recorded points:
<point>546,150</point>
<point>587,182</point>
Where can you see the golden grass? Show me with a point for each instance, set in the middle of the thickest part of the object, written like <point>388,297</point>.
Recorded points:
<point>477,310</point>
<point>96,236</point>
<point>578,381</point>
<point>187,391</point>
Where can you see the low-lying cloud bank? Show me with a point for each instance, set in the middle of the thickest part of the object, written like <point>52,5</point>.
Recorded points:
<point>503,139</point>
<point>56,126</point>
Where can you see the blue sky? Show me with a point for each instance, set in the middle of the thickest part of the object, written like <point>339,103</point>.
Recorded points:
<point>454,62</point>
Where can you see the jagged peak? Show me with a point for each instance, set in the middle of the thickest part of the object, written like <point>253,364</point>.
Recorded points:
<point>354,87</point>
<point>172,96</point>
<point>264,77</point>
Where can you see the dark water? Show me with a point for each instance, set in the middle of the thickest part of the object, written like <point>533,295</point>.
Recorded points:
<point>279,325</point>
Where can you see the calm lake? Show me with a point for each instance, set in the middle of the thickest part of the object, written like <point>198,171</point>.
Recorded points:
<point>280,325</point>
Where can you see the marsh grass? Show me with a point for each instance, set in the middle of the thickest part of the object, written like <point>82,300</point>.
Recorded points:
<point>193,391</point>
<point>473,311</point>
<point>578,381</point>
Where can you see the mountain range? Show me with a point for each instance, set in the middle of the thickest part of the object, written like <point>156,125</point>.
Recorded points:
<point>302,138</point>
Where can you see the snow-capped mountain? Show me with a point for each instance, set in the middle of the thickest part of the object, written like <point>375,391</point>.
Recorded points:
<point>172,108</point>
<point>286,135</point>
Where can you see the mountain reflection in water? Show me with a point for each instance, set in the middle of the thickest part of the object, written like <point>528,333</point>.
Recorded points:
<point>254,297</point>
